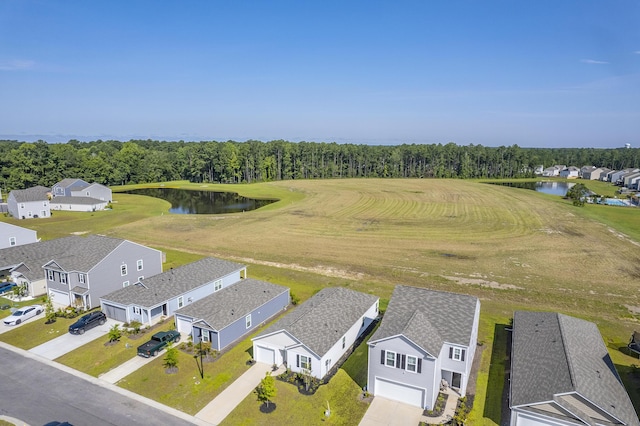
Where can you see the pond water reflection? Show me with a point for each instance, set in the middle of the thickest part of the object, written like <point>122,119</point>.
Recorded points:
<point>553,188</point>
<point>185,201</point>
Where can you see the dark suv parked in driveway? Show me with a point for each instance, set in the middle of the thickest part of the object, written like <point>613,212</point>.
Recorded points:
<point>87,322</point>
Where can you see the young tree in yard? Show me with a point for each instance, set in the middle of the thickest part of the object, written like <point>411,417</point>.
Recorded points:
<point>115,333</point>
<point>49,312</point>
<point>171,358</point>
<point>266,390</point>
<point>578,193</point>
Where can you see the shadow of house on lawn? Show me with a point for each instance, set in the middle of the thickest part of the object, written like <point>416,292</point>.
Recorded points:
<point>496,405</point>
<point>630,375</point>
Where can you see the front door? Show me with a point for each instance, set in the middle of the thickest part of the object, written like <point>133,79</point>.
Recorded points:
<point>455,380</point>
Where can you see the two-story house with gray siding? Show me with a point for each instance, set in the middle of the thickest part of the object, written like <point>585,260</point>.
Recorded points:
<point>78,195</point>
<point>66,186</point>
<point>95,266</point>
<point>149,299</point>
<point>229,314</point>
<point>562,374</point>
<point>316,334</point>
<point>425,337</point>
<point>29,203</point>
<point>13,236</point>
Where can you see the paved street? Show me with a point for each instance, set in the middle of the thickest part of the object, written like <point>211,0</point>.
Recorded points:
<point>38,393</point>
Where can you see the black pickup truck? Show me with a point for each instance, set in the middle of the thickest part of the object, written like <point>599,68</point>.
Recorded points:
<point>157,342</point>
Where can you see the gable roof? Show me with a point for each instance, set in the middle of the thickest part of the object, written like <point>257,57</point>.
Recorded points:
<point>554,354</point>
<point>323,319</point>
<point>32,256</point>
<point>226,306</point>
<point>428,318</point>
<point>74,183</point>
<point>86,201</point>
<point>85,253</point>
<point>159,288</point>
<point>36,193</point>
<point>8,228</point>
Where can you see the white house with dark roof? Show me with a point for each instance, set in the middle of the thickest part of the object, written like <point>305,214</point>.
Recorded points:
<point>29,203</point>
<point>13,236</point>
<point>562,374</point>
<point>95,266</point>
<point>315,335</point>
<point>425,337</point>
<point>229,314</point>
<point>78,195</point>
<point>149,299</point>
<point>570,172</point>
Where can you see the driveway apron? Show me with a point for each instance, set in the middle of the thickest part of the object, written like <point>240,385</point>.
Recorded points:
<point>386,412</point>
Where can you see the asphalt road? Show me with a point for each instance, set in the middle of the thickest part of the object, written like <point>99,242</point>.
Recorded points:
<point>39,394</point>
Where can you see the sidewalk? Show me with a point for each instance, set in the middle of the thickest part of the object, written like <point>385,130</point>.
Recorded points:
<point>449,409</point>
<point>216,411</point>
<point>123,370</point>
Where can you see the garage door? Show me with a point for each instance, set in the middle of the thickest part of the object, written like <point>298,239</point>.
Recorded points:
<point>59,298</point>
<point>183,325</point>
<point>265,355</point>
<point>399,392</point>
<point>115,312</point>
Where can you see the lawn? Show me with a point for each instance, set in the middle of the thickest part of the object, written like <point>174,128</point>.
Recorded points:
<point>37,332</point>
<point>96,357</point>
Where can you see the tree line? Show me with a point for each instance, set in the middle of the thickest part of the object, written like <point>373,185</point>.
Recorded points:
<point>26,164</point>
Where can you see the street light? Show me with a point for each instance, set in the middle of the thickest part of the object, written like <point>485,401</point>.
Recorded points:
<point>200,365</point>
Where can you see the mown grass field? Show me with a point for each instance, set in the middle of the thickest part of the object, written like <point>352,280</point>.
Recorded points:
<point>513,248</point>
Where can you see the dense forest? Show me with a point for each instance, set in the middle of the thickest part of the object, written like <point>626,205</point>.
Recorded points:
<point>25,164</point>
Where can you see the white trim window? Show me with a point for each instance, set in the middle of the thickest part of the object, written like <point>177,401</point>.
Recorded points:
<point>344,341</point>
<point>390,359</point>
<point>125,284</point>
<point>412,363</point>
<point>49,274</point>
<point>456,354</point>
<point>139,265</point>
<point>204,336</point>
<point>63,278</point>
<point>141,277</point>
<point>217,285</point>
<point>123,269</point>
<point>180,302</point>
<point>304,362</point>
<point>247,321</point>
<point>137,310</point>
<point>81,278</point>
<point>12,241</point>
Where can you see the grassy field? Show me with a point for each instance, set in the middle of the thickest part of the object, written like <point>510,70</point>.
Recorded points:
<point>514,249</point>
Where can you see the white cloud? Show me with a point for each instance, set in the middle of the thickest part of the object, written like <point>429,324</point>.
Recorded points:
<point>593,61</point>
<point>637,52</point>
<point>16,65</point>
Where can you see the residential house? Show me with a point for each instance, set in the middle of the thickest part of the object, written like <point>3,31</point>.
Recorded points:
<point>65,186</point>
<point>24,263</point>
<point>562,374</point>
<point>12,235</point>
<point>618,177</point>
<point>78,195</point>
<point>629,179</point>
<point>426,338</point>
<point>315,335</point>
<point>570,172</point>
<point>229,314</point>
<point>29,203</point>
<point>95,266</point>
<point>605,174</point>
<point>553,170</point>
<point>592,173</point>
<point>152,297</point>
<point>585,170</point>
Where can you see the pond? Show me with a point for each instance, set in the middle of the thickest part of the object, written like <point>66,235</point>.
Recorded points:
<point>202,202</point>
<point>553,188</point>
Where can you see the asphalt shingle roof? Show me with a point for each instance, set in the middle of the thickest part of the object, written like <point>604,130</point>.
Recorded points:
<point>428,318</point>
<point>226,306</point>
<point>322,320</point>
<point>36,193</point>
<point>86,252</point>
<point>162,287</point>
<point>63,199</point>
<point>554,354</point>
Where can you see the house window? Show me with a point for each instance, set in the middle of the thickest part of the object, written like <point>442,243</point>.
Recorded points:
<point>12,241</point>
<point>217,285</point>
<point>247,321</point>
<point>344,341</point>
<point>22,206</point>
<point>125,284</point>
<point>44,204</point>
<point>456,354</point>
<point>180,301</point>
<point>136,310</point>
<point>304,362</point>
<point>204,336</point>
<point>63,278</point>
<point>49,274</point>
<point>390,359</point>
<point>141,277</point>
<point>139,265</point>
<point>412,363</point>
<point>81,278</point>
<point>123,269</point>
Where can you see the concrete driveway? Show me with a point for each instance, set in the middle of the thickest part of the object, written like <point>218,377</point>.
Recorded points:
<point>386,412</point>
<point>68,342</point>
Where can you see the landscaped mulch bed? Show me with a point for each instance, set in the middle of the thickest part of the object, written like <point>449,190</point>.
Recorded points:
<point>441,403</point>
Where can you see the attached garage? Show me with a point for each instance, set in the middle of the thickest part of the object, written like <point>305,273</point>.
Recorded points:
<point>399,392</point>
<point>183,324</point>
<point>59,298</point>
<point>264,355</point>
<point>115,312</point>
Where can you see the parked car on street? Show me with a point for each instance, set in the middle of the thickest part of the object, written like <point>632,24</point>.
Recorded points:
<point>5,287</point>
<point>23,314</point>
<point>87,322</point>
<point>158,342</point>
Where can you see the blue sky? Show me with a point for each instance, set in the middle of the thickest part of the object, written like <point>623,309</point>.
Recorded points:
<point>542,73</point>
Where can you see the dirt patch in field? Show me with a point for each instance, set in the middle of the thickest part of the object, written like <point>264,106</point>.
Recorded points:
<point>80,233</point>
<point>635,310</point>
<point>483,283</point>
<point>321,270</point>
